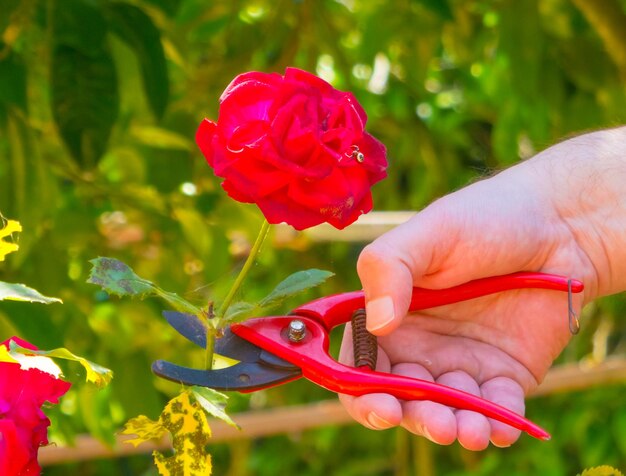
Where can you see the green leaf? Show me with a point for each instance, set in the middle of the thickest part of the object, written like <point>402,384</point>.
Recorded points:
<point>162,138</point>
<point>294,284</point>
<point>440,7</point>
<point>8,6</point>
<point>213,403</point>
<point>97,374</point>
<point>80,25</point>
<point>85,101</point>
<point>118,278</point>
<point>21,292</point>
<point>170,7</point>
<point>240,310</point>
<point>290,286</point>
<point>138,31</point>
<point>12,79</point>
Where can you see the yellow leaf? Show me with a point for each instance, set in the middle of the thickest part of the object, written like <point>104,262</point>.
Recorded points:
<point>10,227</point>
<point>187,422</point>
<point>185,419</point>
<point>144,430</point>
<point>5,356</point>
<point>28,362</point>
<point>602,471</point>
<point>97,374</point>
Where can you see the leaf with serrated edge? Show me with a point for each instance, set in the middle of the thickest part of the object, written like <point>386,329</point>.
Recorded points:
<point>186,420</point>
<point>9,228</point>
<point>21,292</point>
<point>118,278</point>
<point>97,374</point>
<point>144,430</point>
<point>294,284</point>
<point>213,402</point>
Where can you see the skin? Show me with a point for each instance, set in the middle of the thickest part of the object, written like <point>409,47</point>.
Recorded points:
<point>561,212</point>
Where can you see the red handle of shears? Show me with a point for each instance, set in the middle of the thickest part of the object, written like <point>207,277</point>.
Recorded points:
<point>311,353</point>
<point>337,309</point>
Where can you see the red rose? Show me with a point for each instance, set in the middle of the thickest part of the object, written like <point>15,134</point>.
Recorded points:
<point>296,147</point>
<point>23,425</point>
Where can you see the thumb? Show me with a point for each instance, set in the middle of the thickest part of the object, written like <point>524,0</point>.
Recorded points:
<point>388,269</point>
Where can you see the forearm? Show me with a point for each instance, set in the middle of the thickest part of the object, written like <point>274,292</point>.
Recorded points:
<point>585,180</point>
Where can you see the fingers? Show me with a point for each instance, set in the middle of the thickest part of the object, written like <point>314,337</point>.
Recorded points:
<point>376,411</point>
<point>443,425</point>
<point>473,429</point>
<point>509,394</point>
<point>439,423</point>
<point>433,420</point>
<point>387,281</point>
<point>391,265</point>
<point>388,268</point>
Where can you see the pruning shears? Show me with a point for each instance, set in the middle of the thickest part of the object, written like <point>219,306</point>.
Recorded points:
<point>278,349</point>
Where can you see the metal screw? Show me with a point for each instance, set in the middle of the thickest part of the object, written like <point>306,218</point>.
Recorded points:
<point>297,330</point>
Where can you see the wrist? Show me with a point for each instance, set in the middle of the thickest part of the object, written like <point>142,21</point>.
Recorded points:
<point>585,181</point>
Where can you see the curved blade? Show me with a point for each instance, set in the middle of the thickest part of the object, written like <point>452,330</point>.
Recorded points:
<point>229,345</point>
<point>187,325</point>
<point>243,377</point>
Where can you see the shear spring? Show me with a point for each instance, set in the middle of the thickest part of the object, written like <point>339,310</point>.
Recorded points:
<point>364,343</point>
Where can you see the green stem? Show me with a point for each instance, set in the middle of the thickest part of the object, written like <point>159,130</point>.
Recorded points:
<point>265,227</point>
<point>210,347</point>
<point>221,312</point>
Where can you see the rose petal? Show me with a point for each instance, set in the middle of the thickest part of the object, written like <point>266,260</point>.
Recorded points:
<point>288,144</point>
<point>204,138</point>
<point>270,79</point>
<point>22,393</point>
<point>244,176</point>
<point>374,157</point>
<point>14,452</point>
<point>277,209</point>
<point>249,135</point>
<point>299,76</point>
<point>249,101</point>
<point>338,198</point>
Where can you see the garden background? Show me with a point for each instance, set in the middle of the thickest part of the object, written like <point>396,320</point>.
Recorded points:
<point>99,103</point>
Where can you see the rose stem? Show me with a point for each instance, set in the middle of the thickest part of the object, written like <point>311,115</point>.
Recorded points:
<point>221,312</point>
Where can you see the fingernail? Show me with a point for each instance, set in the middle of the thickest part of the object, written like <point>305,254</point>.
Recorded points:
<point>501,446</point>
<point>380,312</point>
<point>377,422</point>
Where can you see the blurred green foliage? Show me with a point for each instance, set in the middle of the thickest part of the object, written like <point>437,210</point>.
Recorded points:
<point>99,101</point>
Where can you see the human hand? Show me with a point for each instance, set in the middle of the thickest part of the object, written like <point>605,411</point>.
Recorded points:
<point>500,346</point>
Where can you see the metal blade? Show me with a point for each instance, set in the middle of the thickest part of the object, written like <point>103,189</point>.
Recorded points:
<point>229,345</point>
<point>187,325</point>
<point>243,377</point>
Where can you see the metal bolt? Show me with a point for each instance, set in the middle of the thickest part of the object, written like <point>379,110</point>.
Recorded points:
<point>297,330</point>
